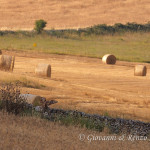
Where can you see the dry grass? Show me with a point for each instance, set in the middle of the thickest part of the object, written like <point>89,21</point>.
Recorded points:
<point>71,14</point>
<point>87,85</point>
<point>7,77</point>
<point>132,47</point>
<point>78,83</point>
<point>21,133</point>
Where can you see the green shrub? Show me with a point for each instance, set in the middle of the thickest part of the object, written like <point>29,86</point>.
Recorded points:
<point>81,122</point>
<point>100,29</point>
<point>40,25</point>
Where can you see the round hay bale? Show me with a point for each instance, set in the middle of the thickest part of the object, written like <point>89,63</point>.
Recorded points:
<point>43,70</point>
<point>31,99</point>
<point>140,70</point>
<point>109,59</point>
<point>12,63</point>
<point>7,62</point>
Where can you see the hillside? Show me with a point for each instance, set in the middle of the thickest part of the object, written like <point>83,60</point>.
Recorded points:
<point>32,133</point>
<point>71,14</point>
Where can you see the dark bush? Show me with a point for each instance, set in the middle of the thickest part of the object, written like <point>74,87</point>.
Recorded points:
<point>40,25</point>
<point>79,121</point>
<point>101,29</point>
<point>11,102</point>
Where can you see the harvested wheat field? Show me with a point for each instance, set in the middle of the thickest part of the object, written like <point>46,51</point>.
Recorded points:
<point>71,13</point>
<point>85,84</point>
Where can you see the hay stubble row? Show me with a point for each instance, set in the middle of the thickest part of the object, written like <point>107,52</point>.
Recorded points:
<point>90,12</point>
<point>88,85</point>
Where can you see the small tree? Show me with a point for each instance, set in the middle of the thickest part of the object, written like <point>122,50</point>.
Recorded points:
<point>40,25</point>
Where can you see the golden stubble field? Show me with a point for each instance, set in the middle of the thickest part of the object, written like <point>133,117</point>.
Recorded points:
<point>86,84</point>
<point>22,14</point>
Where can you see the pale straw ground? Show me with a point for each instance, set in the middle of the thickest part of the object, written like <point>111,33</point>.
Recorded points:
<point>86,84</point>
<point>22,14</point>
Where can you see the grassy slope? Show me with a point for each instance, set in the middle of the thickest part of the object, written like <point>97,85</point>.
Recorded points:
<point>33,133</point>
<point>130,47</point>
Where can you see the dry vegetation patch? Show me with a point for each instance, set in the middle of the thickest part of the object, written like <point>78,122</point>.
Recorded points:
<point>87,85</point>
<point>89,12</point>
<point>34,133</point>
<point>23,81</point>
